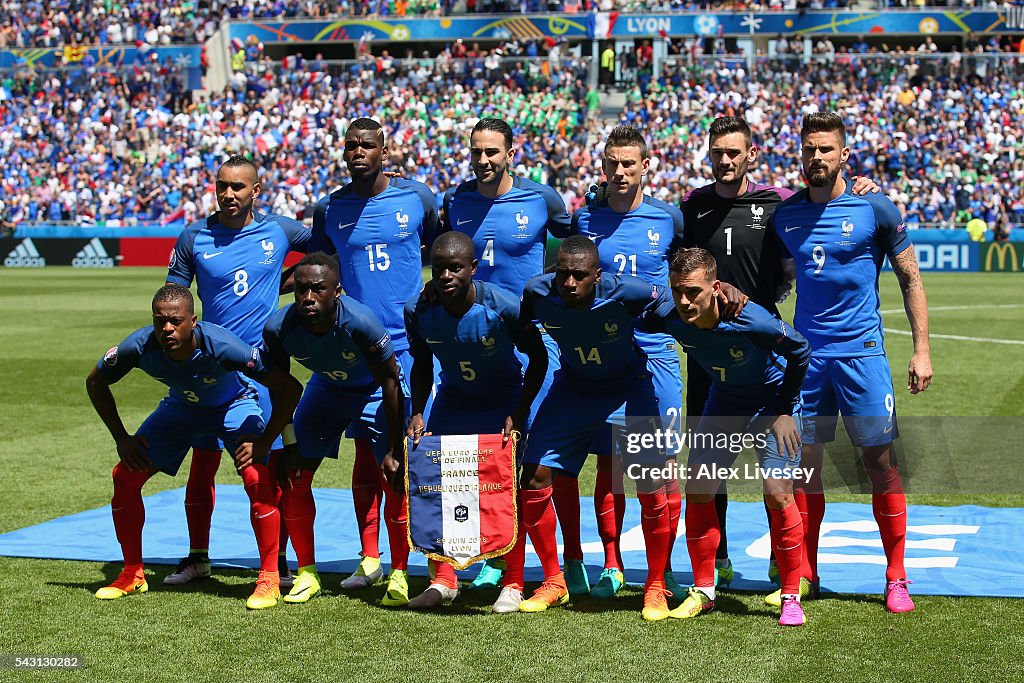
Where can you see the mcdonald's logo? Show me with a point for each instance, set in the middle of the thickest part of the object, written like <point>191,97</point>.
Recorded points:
<point>1001,251</point>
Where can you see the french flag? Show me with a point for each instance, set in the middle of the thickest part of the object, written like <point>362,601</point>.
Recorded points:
<point>462,497</point>
<point>601,24</point>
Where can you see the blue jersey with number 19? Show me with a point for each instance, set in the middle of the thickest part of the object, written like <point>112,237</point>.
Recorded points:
<point>839,248</point>
<point>635,243</point>
<point>379,243</point>
<point>237,272</point>
<point>509,232</point>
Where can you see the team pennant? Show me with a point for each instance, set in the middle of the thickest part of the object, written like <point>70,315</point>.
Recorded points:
<point>462,497</point>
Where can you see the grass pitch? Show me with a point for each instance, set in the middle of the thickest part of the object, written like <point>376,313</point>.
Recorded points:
<point>58,457</point>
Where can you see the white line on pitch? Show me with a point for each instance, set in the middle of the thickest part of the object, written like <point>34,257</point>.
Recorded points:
<point>957,337</point>
<point>891,311</point>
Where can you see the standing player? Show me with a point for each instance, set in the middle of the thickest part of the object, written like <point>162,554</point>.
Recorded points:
<point>236,256</point>
<point>603,376</point>
<point>473,330</point>
<point>728,218</point>
<point>633,233</point>
<point>508,219</point>
<point>750,395</point>
<point>355,380</point>
<point>200,363</point>
<point>377,226</point>
<point>839,242</point>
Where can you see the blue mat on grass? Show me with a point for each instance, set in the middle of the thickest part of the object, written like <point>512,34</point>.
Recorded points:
<point>967,550</point>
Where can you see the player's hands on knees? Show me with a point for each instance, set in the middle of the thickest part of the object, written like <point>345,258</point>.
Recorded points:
<point>919,373</point>
<point>787,436</point>
<point>391,468</point>
<point>132,452</point>
<point>415,429</point>
<point>731,301</point>
<point>863,185</point>
<point>287,465</point>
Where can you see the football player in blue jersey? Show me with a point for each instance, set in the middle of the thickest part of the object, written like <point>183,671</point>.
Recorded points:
<point>377,225</point>
<point>752,398</point>
<point>839,241</point>
<point>603,377</point>
<point>236,257</point>
<point>200,363</point>
<point>509,219</point>
<point>473,329</point>
<point>633,233</point>
<point>355,381</point>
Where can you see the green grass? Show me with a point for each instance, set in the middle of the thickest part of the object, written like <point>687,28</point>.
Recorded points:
<point>58,456</point>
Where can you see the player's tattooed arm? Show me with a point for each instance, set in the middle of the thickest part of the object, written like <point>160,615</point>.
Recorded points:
<point>915,303</point>
<point>131,449</point>
<point>386,374</point>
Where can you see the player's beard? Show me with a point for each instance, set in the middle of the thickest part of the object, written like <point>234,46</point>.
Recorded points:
<point>823,177</point>
<point>498,172</point>
<point>738,176</point>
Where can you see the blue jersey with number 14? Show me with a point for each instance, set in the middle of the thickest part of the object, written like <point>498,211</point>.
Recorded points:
<point>237,272</point>
<point>839,248</point>
<point>378,241</point>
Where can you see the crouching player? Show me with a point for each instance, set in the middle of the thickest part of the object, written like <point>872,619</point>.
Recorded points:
<point>603,378</point>
<point>355,381</point>
<point>473,330</point>
<point>200,363</point>
<point>749,395</point>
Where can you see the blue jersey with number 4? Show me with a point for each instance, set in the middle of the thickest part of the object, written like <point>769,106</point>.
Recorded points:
<point>596,345</point>
<point>509,232</point>
<point>477,350</point>
<point>839,248</point>
<point>237,272</point>
<point>343,355</point>
<point>379,242</point>
<point>635,243</point>
<point>208,379</point>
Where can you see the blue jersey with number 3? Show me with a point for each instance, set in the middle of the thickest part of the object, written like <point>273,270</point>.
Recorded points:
<point>839,248</point>
<point>378,241</point>
<point>509,232</point>
<point>237,272</point>
<point>208,379</point>
<point>635,243</point>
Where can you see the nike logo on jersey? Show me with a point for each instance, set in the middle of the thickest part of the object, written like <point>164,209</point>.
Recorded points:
<point>468,220</point>
<point>207,254</point>
<point>346,225</point>
<point>434,341</point>
<point>701,215</point>
<point>793,227</point>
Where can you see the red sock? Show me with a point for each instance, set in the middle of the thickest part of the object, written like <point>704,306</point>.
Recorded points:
<point>444,574</point>
<point>655,524</point>
<point>282,544</point>
<point>540,522</point>
<point>674,497</point>
<point>610,510</point>
<point>261,486</point>
<point>200,496</point>
<point>889,503</point>
<point>566,498</point>
<point>702,537</point>
<point>298,510</point>
<point>515,559</point>
<point>128,512</point>
<point>398,529</point>
<point>787,541</point>
<point>366,497</point>
<point>810,500</point>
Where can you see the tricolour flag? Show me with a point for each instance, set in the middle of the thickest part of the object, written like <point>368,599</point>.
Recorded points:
<point>462,497</point>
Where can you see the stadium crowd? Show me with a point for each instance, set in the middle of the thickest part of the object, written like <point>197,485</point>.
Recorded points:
<point>49,23</point>
<point>944,139</point>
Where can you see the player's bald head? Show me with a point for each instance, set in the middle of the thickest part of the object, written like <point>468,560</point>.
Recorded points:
<point>694,260</point>
<point>175,294</point>
<point>580,246</point>
<point>453,244</point>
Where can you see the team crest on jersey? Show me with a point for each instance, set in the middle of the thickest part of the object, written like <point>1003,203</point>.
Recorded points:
<point>402,220</point>
<point>268,252</point>
<point>736,354</point>
<point>847,228</point>
<point>348,356</point>
<point>523,221</point>
<point>110,357</point>
<point>612,330</point>
<point>209,380</point>
<point>756,213</point>
<point>487,341</point>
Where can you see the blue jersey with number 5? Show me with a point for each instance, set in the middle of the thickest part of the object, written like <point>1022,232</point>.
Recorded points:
<point>839,248</point>
<point>379,243</point>
<point>237,272</point>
